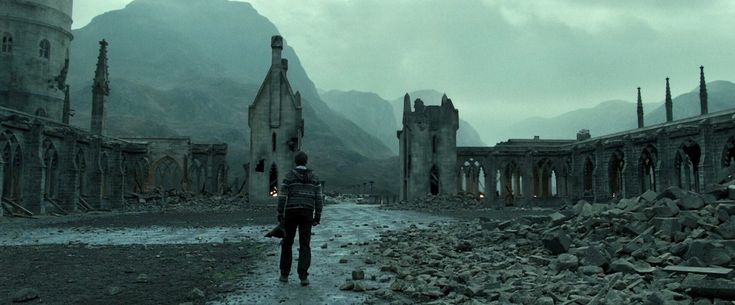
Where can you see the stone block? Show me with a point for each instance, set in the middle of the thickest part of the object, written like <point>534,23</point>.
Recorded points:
<point>690,202</point>
<point>688,219</point>
<point>595,256</point>
<point>649,196</point>
<point>567,261</point>
<point>727,229</point>
<point>710,252</point>
<point>667,225</point>
<point>710,288</point>
<point>672,193</point>
<point>709,271</point>
<point>558,218</point>
<point>557,242</point>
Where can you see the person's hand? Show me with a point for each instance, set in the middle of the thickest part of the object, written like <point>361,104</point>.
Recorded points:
<point>316,221</point>
<point>280,219</point>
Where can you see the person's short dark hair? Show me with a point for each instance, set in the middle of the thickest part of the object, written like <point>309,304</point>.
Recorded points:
<point>301,158</point>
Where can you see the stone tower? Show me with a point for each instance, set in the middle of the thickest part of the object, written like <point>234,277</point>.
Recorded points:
<point>100,91</point>
<point>276,129</point>
<point>428,149</point>
<point>35,36</point>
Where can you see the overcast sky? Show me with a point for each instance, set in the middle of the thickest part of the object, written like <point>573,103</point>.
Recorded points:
<point>502,60</point>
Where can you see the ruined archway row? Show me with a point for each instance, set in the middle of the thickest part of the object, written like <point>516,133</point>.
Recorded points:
<point>689,154</point>
<point>49,167</point>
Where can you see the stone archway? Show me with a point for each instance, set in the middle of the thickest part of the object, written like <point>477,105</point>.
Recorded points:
<point>51,169</point>
<point>13,158</point>
<point>167,174</point>
<point>588,177</point>
<point>647,167</point>
<point>616,178</point>
<point>686,166</point>
<point>434,181</point>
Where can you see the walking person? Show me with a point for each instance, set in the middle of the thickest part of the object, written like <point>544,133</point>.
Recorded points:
<point>300,204</point>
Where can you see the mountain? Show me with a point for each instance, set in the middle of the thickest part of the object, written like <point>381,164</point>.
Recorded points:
<point>367,110</point>
<point>615,116</point>
<point>466,135</point>
<point>192,67</point>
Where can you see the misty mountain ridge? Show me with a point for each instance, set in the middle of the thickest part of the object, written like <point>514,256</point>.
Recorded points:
<point>192,68</point>
<point>617,115</point>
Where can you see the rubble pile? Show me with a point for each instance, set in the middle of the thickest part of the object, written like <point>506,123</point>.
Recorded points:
<point>186,203</point>
<point>675,247</point>
<point>439,203</point>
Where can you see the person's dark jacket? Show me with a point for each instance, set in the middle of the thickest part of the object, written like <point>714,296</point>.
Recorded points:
<point>301,190</point>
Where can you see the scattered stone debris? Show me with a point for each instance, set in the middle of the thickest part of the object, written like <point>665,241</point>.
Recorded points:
<point>25,295</point>
<point>185,202</point>
<point>673,247</point>
<point>440,202</point>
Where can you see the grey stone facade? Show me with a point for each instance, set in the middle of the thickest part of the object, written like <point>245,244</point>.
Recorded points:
<point>35,37</point>
<point>276,130</point>
<point>47,165</point>
<point>428,149</point>
<point>689,153</point>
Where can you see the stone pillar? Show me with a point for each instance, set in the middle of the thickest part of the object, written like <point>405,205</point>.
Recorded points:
<point>95,174</point>
<point>631,171</point>
<point>711,154</point>
<point>2,183</point>
<point>116,175</point>
<point>68,175</point>
<point>33,171</point>
<point>209,169</point>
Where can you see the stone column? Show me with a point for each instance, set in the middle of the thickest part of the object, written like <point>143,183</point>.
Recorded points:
<point>117,178</point>
<point>95,174</point>
<point>710,156</point>
<point>631,171</point>
<point>68,175</point>
<point>2,183</point>
<point>33,170</point>
<point>208,169</point>
<point>664,162</point>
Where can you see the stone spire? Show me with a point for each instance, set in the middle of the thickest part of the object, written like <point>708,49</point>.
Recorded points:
<point>702,91</point>
<point>668,104</point>
<point>640,109</point>
<point>100,91</point>
<point>406,107</point>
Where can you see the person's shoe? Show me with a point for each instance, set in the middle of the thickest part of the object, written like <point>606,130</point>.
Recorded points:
<point>283,278</point>
<point>305,282</point>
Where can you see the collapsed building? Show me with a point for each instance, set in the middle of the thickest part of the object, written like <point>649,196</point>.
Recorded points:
<point>50,166</point>
<point>690,153</point>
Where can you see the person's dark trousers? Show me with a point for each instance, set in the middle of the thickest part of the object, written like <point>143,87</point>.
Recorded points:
<point>301,219</point>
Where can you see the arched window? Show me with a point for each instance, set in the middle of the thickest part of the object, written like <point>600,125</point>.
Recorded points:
<point>44,49</point>
<point>7,46</point>
<point>273,140</point>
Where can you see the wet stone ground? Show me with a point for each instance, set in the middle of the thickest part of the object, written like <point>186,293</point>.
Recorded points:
<point>189,258</point>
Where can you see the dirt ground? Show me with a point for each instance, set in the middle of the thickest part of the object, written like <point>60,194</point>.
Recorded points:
<point>79,273</point>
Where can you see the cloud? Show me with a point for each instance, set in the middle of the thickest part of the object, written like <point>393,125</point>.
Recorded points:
<point>504,60</point>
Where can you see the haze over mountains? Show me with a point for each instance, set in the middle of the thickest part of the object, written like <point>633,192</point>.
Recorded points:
<point>615,116</point>
<point>192,67</point>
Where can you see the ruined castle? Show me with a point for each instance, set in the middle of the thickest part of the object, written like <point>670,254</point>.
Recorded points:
<point>49,166</point>
<point>689,153</point>
<point>276,129</point>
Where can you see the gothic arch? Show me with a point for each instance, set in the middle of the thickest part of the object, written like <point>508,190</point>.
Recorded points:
<point>198,176</point>
<point>167,174</point>
<point>434,181</point>
<point>588,177</point>
<point>686,165</point>
<point>80,163</point>
<point>273,180</point>
<point>13,158</point>
<point>616,178</point>
<point>51,169</point>
<point>542,178</point>
<point>648,165</point>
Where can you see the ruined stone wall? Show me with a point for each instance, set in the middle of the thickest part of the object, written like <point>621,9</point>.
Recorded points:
<point>35,37</point>
<point>690,154</point>
<point>428,149</point>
